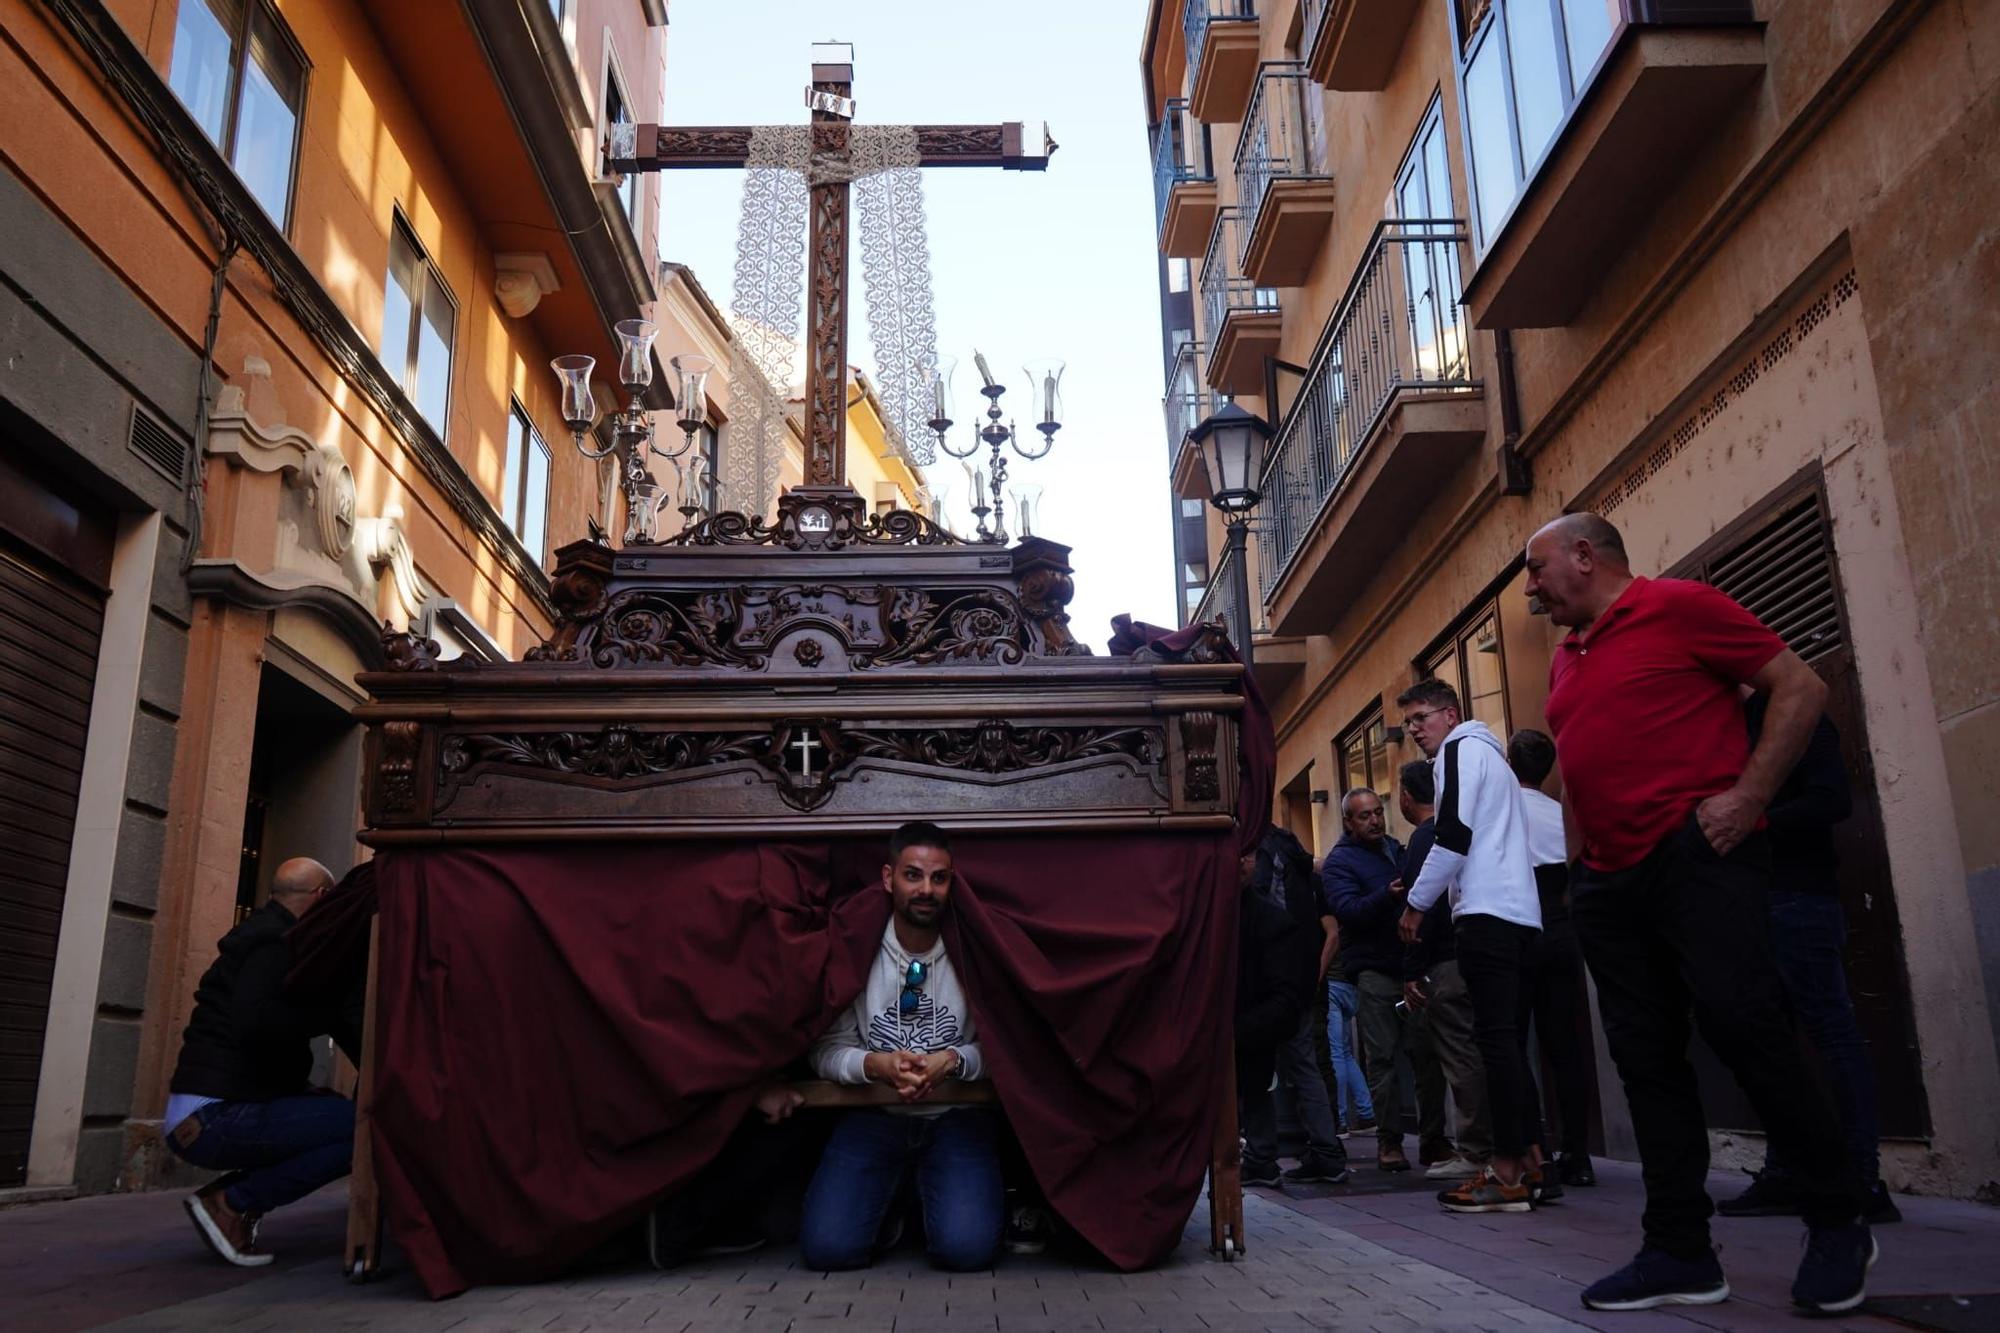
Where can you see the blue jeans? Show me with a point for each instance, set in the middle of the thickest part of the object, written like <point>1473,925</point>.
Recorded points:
<point>1808,931</point>
<point>284,1149</point>
<point>1342,1002</point>
<point>956,1158</point>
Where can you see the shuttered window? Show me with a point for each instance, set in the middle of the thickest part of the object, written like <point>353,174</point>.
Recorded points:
<point>49,630</point>
<point>1783,573</point>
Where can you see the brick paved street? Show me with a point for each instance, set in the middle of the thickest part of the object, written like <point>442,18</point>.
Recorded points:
<point>1376,1253</point>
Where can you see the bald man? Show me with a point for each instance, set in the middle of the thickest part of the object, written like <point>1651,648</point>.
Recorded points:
<point>240,1101</point>
<point>1668,897</point>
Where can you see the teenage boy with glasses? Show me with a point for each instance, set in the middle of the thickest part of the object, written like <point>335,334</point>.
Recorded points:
<point>910,1029</point>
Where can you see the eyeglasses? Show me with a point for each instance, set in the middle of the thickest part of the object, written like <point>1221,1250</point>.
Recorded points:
<point>913,988</point>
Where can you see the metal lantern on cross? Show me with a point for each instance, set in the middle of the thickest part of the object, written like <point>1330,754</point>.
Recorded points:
<point>1231,443</point>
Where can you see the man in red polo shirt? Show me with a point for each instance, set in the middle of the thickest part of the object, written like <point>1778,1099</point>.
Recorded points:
<point>1668,900</point>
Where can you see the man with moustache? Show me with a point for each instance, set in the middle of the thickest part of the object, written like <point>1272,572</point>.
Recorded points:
<point>1669,896</point>
<point>910,1029</point>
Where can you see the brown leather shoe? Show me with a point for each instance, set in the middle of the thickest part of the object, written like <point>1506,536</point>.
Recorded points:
<point>1391,1159</point>
<point>232,1235</point>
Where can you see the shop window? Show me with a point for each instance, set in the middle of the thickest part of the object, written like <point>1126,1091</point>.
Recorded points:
<point>1470,661</point>
<point>1522,66</point>
<point>237,69</point>
<point>419,322</point>
<point>525,502</point>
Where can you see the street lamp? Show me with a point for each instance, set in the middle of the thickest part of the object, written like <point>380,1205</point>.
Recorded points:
<point>1231,443</point>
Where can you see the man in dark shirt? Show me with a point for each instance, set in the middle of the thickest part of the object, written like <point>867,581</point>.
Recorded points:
<point>1808,933</point>
<point>1361,887</point>
<point>1668,898</point>
<point>239,1100</point>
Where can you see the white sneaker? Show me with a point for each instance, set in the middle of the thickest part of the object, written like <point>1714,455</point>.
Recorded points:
<point>1453,1168</point>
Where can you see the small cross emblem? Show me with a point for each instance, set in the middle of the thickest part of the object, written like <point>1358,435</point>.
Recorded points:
<point>806,744</point>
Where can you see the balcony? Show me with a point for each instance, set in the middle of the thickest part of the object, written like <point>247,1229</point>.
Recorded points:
<point>1659,96</point>
<point>1183,183</point>
<point>1240,318</point>
<point>1221,57</point>
<point>1282,188</point>
<point>1188,399</point>
<point>1353,44</point>
<point>1388,408</point>
<point>1276,662</point>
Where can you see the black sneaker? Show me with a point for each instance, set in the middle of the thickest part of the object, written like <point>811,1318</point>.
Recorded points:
<point>1574,1170</point>
<point>1314,1171</point>
<point>1263,1174</point>
<point>1769,1195</point>
<point>1833,1277</point>
<point>1027,1230</point>
<point>1656,1278</point>
<point>1881,1207</point>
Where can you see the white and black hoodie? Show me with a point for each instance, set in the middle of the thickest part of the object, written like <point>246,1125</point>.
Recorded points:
<point>1481,853</point>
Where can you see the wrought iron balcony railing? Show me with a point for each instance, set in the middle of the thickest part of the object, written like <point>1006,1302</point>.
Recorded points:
<point>1188,398</point>
<point>1224,288</point>
<point>1399,329</point>
<point>1180,155</point>
<point>1195,21</point>
<point>1281,137</point>
<point>1218,600</point>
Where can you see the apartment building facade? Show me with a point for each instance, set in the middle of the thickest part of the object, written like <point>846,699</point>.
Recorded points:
<point>281,285</point>
<point>1716,270</point>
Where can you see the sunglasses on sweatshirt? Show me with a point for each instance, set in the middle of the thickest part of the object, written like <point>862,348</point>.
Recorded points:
<point>913,988</point>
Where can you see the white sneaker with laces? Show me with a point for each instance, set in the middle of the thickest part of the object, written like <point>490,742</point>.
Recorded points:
<point>1453,1168</point>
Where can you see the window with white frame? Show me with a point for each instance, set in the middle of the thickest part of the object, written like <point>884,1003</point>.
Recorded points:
<point>1522,65</point>
<point>237,69</point>
<point>1431,268</point>
<point>524,501</point>
<point>419,322</point>
<point>618,111</point>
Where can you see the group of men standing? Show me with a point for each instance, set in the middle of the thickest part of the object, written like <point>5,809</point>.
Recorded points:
<point>1657,871</point>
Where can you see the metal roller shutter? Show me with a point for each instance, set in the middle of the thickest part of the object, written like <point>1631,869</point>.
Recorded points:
<point>50,625</point>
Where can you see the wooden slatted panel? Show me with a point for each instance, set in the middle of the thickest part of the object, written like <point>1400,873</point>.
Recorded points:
<point>1784,575</point>
<point>49,631</point>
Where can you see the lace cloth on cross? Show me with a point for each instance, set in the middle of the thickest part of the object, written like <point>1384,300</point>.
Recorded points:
<point>768,304</point>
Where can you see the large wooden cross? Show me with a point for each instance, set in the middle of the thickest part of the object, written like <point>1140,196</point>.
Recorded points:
<point>659,147</point>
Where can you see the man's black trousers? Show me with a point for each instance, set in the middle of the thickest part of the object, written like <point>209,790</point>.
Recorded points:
<point>1687,933</point>
<point>1497,960</point>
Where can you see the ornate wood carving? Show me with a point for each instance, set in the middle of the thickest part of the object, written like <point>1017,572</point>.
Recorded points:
<point>404,651</point>
<point>846,522</point>
<point>396,767</point>
<point>826,356</point>
<point>1201,782</point>
<point>806,760</point>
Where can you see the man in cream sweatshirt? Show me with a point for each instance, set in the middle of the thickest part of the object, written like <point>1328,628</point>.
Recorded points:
<point>910,1030</point>
<point>1481,858</point>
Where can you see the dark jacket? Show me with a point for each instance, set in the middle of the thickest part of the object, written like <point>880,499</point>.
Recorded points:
<point>1278,942</point>
<point>1354,889</point>
<point>1813,798</point>
<point>1435,943</point>
<point>246,1041</point>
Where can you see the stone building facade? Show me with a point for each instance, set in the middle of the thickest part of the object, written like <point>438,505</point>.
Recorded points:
<point>281,286</point>
<point>1718,271</point>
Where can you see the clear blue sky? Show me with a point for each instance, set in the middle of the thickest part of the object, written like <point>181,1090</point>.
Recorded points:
<point>1024,264</point>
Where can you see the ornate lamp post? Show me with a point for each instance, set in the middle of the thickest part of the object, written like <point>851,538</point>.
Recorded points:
<point>1231,442</point>
<point>631,428</point>
<point>1045,389</point>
